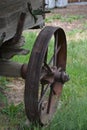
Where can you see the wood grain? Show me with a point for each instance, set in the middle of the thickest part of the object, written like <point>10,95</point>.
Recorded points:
<point>10,11</point>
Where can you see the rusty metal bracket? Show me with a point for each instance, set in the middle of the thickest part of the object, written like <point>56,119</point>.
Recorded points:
<point>31,11</point>
<point>40,11</point>
<point>19,27</point>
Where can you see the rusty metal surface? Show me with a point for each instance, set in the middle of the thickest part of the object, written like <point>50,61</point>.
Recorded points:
<point>41,76</point>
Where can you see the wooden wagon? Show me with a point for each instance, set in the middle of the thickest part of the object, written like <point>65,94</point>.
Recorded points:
<point>44,75</point>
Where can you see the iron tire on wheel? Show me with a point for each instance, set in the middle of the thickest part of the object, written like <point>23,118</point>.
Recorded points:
<point>33,83</point>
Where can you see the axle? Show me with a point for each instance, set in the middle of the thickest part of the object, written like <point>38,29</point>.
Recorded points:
<point>13,69</point>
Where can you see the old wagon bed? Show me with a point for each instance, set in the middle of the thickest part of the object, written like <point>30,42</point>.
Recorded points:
<point>10,11</point>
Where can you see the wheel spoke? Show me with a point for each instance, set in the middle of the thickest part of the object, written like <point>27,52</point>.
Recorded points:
<point>44,93</point>
<point>55,49</point>
<point>49,99</point>
<point>45,58</point>
<point>48,67</point>
<point>56,52</point>
<point>41,94</point>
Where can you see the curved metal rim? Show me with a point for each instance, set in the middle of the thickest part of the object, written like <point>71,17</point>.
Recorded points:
<point>34,68</point>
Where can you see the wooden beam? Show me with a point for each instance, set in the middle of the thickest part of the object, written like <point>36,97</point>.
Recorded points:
<point>10,69</point>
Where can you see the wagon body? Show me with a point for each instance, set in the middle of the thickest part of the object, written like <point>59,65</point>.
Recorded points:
<point>10,11</point>
<point>45,73</point>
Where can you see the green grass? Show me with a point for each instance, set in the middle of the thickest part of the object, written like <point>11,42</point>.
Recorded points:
<point>72,18</point>
<point>73,112</point>
<point>13,117</point>
<point>69,19</point>
<point>52,18</point>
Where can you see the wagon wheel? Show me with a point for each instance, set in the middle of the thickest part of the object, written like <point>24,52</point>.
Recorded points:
<point>45,75</point>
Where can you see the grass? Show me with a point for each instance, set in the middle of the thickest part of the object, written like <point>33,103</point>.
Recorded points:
<point>13,117</point>
<point>68,18</point>
<point>72,116</point>
<point>73,112</point>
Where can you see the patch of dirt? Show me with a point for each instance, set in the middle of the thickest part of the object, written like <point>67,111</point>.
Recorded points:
<point>70,10</point>
<point>15,91</point>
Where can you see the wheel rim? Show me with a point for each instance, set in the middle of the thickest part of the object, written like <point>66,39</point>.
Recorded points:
<point>39,106</point>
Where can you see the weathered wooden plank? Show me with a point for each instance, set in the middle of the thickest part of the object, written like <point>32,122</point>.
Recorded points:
<point>10,11</point>
<point>8,7</point>
<point>11,6</point>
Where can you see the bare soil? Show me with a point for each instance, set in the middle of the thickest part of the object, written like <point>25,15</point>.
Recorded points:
<point>71,10</point>
<point>15,89</point>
